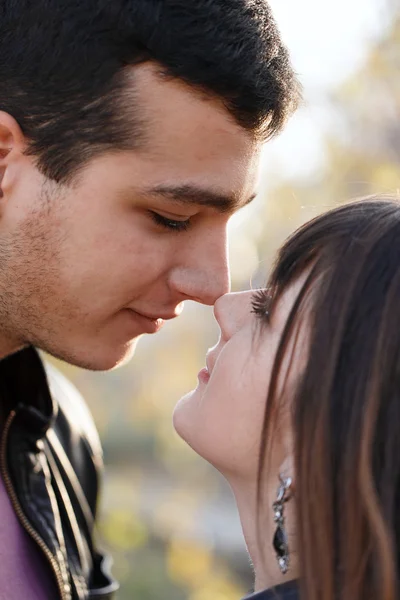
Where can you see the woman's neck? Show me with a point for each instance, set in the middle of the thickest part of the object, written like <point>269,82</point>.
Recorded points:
<point>258,534</point>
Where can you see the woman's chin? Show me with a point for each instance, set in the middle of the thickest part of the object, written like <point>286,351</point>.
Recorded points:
<point>191,428</point>
<point>181,417</point>
<point>188,424</point>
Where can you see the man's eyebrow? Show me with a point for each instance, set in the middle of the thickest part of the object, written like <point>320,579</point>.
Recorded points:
<point>192,194</point>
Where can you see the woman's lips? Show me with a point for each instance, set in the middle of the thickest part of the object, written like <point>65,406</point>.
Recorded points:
<point>204,375</point>
<point>211,358</point>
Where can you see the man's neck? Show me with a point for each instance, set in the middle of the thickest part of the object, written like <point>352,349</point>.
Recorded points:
<point>8,345</point>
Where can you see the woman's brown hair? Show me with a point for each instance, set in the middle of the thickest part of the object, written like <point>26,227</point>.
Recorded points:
<point>346,407</point>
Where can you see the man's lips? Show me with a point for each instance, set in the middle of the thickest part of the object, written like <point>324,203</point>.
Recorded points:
<point>149,324</point>
<point>155,316</point>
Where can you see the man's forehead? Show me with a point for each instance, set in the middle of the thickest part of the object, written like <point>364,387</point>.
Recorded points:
<point>194,153</point>
<point>174,113</point>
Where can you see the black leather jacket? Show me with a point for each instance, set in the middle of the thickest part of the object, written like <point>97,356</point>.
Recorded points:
<point>286,591</point>
<point>51,461</point>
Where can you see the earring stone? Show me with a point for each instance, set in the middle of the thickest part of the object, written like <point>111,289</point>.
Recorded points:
<point>280,539</point>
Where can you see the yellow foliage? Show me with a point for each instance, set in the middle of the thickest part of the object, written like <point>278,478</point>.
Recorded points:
<point>386,177</point>
<point>124,530</point>
<point>176,515</point>
<point>193,566</point>
<point>218,587</point>
<point>189,563</point>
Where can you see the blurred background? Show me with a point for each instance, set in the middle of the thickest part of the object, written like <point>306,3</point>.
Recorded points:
<point>167,517</point>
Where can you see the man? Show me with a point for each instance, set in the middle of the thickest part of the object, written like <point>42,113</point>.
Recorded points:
<point>130,132</point>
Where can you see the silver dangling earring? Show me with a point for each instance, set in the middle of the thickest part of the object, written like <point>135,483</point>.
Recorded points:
<point>280,541</point>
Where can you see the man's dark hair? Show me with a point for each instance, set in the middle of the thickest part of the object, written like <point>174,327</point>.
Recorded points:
<point>63,68</point>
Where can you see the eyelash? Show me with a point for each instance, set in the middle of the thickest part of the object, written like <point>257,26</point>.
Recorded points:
<point>170,224</point>
<point>260,303</point>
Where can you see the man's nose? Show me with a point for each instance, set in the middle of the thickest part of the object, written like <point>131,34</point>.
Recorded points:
<point>204,275</point>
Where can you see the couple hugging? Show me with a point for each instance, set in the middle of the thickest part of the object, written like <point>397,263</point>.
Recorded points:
<point>130,133</point>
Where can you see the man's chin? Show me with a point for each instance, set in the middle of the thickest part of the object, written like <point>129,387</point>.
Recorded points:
<point>106,360</point>
<point>128,355</point>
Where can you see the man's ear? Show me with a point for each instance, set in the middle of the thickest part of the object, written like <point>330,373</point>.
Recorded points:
<point>12,147</point>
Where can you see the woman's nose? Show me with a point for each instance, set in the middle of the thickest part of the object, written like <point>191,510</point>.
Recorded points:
<point>232,311</point>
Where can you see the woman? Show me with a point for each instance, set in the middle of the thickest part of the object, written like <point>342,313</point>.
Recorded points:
<point>299,408</point>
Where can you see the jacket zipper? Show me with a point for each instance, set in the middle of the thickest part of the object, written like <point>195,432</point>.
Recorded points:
<point>21,516</point>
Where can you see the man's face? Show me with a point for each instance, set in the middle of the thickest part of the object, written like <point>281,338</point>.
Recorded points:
<point>136,234</point>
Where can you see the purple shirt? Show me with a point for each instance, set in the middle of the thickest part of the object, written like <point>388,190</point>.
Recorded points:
<point>24,572</point>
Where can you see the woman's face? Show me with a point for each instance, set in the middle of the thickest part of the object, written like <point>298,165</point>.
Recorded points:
<point>222,418</point>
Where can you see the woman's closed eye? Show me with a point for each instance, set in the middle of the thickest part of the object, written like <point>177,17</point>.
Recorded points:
<point>260,304</point>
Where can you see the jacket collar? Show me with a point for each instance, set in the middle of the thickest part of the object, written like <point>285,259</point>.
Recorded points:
<point>24,389</point>
<point>286,591</point>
